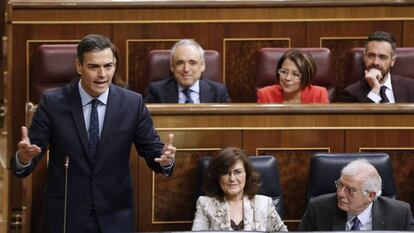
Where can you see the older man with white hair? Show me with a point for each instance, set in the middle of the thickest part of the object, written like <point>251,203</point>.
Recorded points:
<point>357,204</point>
<point>187,85</point>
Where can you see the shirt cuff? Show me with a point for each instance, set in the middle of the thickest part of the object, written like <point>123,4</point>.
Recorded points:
<point>374,97</point>
<point>167,169</point>
<point>19,165</point>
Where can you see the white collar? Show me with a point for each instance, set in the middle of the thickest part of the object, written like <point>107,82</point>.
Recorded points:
<point>387,82</point>
<point>86,98</point>
<point>364,216</point>
<point>194,88</point>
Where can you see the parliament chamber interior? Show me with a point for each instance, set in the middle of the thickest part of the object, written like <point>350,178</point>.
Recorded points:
<point>243,40</point>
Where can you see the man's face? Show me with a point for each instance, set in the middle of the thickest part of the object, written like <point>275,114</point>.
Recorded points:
<point>351,197</point>
<point>378,55</point>
<point>97,71</point>
<point>187,65</point>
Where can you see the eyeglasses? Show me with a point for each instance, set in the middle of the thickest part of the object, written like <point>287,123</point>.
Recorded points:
<point>285,72</point>
<point>237,173</point>
<point>348,190</point>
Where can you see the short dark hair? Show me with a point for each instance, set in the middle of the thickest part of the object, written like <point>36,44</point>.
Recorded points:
<point>95,42</point>
<point>220,165</point>
<point>304,61</point>
<point>383,36</point>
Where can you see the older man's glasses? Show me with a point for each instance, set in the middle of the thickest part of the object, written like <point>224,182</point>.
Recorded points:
<point>284,73</point>
<point>236,173</point>
<point>348,190</point>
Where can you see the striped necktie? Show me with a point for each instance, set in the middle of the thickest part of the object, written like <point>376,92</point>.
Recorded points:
<point>187,96</point>
<point>357,224</point>
<point>384,98</point>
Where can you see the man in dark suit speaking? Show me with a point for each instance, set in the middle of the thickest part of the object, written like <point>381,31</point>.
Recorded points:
<point>357,205</point>
<point>187,64</point>
<point>92,123</point>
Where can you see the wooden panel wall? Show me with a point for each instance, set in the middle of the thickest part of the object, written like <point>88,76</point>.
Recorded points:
<point>237,30</point>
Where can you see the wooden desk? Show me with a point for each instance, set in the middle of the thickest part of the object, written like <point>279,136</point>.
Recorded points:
<point>290,133</point>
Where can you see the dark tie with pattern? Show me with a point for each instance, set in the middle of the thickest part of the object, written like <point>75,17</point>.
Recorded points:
<point>384,98</point>
<point>94,129</point>
<point>357,224</point>
<point>187,96</point>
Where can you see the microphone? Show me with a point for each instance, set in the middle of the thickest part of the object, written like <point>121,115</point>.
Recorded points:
<point>66,193</point>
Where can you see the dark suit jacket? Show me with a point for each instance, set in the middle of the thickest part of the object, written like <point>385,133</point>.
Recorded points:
<point>106,182</point>
<point>323,214</point>
<point>403,89</point>
<point>166,91</point>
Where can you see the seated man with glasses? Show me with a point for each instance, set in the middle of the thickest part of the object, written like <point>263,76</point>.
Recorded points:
<point>357,204</point>
<point>295,72</point>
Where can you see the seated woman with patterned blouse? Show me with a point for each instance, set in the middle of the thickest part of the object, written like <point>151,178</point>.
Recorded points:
<point>231,183</point>
<point>294,74</point>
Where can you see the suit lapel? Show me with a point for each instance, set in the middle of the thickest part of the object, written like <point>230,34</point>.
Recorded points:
<point>171,91</point>
<point>378,221</point>
<point>248,209</point>
<point>206,95</point>
<point>338,219</point>
<point>222,215</point>
<point>77,115</point>
<point>110,115</point>
<point>399,94</point>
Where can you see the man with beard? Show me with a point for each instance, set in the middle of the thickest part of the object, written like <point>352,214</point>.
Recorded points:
<point>379,85</point>
<point>357,204</point>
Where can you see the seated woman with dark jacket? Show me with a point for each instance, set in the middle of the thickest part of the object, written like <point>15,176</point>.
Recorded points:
<point>231,183</point>
<point>294,74</point>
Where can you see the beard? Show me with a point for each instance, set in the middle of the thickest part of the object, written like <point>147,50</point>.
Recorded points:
<point>380,68</point>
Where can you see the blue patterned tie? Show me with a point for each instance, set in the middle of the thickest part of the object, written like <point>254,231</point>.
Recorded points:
<point>384,98</point>
<point>94,129</point>
<point>357,224</point>
<point>187,96</point>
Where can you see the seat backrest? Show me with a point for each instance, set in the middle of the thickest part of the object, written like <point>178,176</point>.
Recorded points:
<point>267,59</point>
<point>354,64</point>
<point>159,65</point>
<point>53,65</point>
<point>325,169</point>
<point>268,169</point>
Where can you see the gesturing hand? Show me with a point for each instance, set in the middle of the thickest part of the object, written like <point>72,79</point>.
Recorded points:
<point>168,153</point>
<point>26,151</point>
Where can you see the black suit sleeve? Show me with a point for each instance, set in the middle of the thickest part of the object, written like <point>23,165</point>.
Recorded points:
<point>146,139</point>
<point>224,95</point>
<point>409,220</point>
<point>39,133</point>
<point>307,223</point>
<point>347,97</point>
